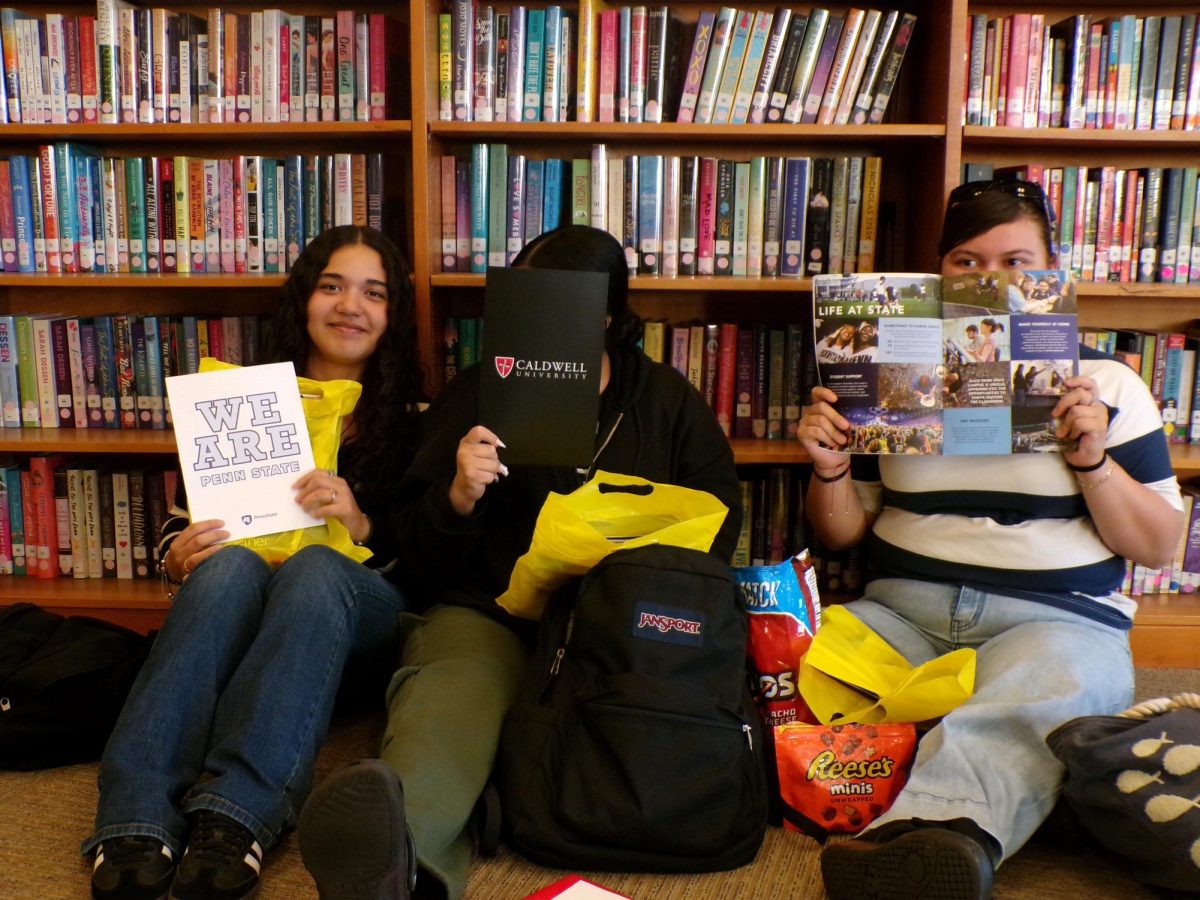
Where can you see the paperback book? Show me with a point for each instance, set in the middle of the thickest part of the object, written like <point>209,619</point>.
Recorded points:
<point>964,364</point>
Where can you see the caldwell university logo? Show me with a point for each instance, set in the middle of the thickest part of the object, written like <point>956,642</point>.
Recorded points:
<point>547,369</point>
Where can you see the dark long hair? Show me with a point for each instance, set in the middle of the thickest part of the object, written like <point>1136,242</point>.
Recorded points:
<point>985,211</point>
<point>581,248</point>
<point>392,381</point>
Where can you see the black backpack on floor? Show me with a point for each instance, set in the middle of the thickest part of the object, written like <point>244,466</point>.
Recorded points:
<point>634,745</point>
<point>63,681</point>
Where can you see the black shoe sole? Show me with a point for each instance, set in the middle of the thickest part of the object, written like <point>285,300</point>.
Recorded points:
<point>926,864</point>
<point>353,838</point>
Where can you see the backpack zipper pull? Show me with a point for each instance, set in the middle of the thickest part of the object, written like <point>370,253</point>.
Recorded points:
<point>558,655</point>
<point>749,732</point>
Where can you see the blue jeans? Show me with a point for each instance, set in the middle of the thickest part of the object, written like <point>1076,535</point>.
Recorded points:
<point>1036,667</point>
<point>234,701</point>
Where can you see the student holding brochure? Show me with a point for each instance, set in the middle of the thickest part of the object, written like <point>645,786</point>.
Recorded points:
<point>470,518</point>
<point>212,756</point>
<point>1019,556</point>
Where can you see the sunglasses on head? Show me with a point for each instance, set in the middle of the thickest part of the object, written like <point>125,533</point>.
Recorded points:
<point>1023,190</point>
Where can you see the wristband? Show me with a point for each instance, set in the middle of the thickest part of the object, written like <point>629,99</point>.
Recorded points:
<point>1088,485</point>
<point>832,478</point>
<point>1093,468</point>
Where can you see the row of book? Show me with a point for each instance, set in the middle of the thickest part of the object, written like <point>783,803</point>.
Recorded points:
<point>68,209</point>
<point>132,64</point>
<point>462,340</point>
<point>1166,361</point>
<point>772,516</point>
<point>1121,225</point>
<point>631,64</point>
<point>1182,576</point>
<point>62,518</point>
<point>675,215</point>
<point>1086,71</point>
<point>754,376</point>
<point>109,371</point>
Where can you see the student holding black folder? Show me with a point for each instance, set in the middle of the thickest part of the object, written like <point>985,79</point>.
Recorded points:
<point>468,519</point>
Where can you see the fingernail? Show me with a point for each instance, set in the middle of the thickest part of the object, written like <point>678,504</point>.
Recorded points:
<point>503,469</point>
<point>500,443</point>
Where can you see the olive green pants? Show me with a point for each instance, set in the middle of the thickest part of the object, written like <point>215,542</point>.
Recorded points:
<point>459,673</point>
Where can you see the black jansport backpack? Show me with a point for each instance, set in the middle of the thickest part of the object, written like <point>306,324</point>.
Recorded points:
<point>63,681</point>
<point>634,744</point>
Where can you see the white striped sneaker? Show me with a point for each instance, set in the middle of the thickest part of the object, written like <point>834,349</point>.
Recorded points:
<point>222,861</point>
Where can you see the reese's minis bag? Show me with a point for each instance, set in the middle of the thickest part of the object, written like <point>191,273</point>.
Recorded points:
<point>783,611</point>
<point>840,778</point>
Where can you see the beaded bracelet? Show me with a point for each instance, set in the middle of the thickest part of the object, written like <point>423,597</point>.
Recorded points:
<point>832,478</point>
<point>1092,468</point>
<point>1088,485</point>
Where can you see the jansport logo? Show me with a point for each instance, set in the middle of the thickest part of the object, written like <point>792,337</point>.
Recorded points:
<point>669,624</point>
<point>550,369</point>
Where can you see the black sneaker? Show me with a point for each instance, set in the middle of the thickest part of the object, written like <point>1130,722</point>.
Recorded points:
<point>132,868</point>
<point>222,861</point>
<point>353,837</point>
<point>926,863</point>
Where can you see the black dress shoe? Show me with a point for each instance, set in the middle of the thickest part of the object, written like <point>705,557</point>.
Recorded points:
<point>353,837</point>
<point>923,863</point>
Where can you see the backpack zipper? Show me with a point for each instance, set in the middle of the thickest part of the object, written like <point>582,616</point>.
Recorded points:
<point>749,732</point>
<point>562,650</point>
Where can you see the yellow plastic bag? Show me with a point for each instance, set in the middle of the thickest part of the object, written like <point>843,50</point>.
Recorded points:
<point>611,512</point>
<point>851,674</point>
<point>325,404</point>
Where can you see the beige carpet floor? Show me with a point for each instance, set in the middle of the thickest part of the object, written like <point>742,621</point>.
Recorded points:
<point>44,815</point>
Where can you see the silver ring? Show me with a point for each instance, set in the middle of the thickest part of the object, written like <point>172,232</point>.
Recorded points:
<point>332,496</point>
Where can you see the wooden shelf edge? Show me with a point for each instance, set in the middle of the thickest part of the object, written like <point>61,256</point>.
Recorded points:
<point>220,132</point>
<point>656,132</point>
<point>708,283</point>
<point>86,440</point>
<point>127,280</point>
<point>973,135</point>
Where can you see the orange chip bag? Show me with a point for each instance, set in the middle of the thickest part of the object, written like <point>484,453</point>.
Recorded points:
<point>840,778</point>
<point>783,611</point>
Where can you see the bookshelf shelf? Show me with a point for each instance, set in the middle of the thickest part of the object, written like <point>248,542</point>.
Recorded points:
<point>227,133</point>
<point>646,133</point>
<point>1124,141</point>
<point>771,453</point>
<point>90,280</point>
<point>689,284</point>
<point>86,440</point>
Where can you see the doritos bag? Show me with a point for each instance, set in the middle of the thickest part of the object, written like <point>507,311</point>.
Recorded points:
<point>325,403</point>
<point>783,612</point>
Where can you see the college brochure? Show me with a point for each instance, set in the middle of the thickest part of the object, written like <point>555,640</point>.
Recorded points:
<point>242,443</point>
<point>955,364</point>
<point>543,341</point>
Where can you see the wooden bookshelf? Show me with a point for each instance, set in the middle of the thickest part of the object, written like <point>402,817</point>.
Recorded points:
<point>923,146</point>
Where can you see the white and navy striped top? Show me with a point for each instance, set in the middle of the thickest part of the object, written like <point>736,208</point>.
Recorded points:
<point>1017,525</point>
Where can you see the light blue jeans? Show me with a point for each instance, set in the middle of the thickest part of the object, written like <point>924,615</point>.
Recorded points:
<point>234,701</point>
<point>1036,667</point>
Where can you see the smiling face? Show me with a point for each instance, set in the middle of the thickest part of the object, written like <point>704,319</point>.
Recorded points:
<point>347,313</point>
<point>1014,245</point>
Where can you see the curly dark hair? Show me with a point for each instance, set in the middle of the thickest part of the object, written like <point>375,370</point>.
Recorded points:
<point>392,383</point>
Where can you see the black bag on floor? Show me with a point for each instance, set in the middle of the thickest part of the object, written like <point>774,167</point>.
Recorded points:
<point>634,744</point>
<point>63,681</point>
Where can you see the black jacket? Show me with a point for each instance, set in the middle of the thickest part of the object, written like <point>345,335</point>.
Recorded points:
<point>653,424</point>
